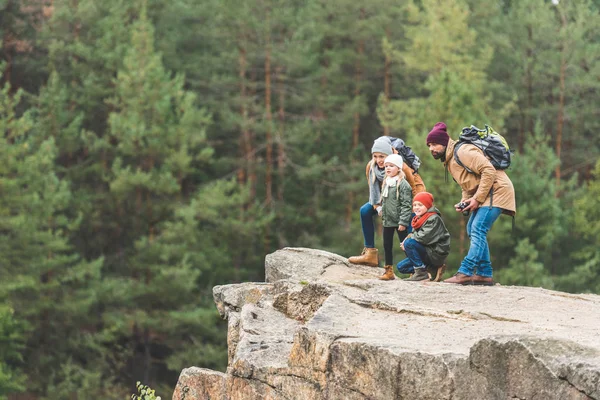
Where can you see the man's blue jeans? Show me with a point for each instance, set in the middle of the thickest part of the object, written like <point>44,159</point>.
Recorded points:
<point>416,256</point>
<point>367,212</point>
<point>478,260</point>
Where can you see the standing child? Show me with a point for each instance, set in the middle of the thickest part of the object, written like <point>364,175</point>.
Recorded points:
<point>428,244</point>
<point>395,209</point>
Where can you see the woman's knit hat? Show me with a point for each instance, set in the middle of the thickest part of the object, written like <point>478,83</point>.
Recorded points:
<point>382,145</point>
<point>395,159</point>
<point>438,135</point>
<point>424,198</point>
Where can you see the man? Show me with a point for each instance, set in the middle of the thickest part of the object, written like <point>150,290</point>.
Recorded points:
<point>487,193</point>
<point>375,172</point>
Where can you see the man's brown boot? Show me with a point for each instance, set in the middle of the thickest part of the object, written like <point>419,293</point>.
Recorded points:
<point>482,280</point>
<point>369,256</point>
<point>460,279</point>
<point>389,274</point>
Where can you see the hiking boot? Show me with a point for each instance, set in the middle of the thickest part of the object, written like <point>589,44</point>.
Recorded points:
<point>483,280</point>
<point>419,275</point>
<point>369,256</point>
<point>460,279</point>
<point>437,273</point>
<point>389,274</point>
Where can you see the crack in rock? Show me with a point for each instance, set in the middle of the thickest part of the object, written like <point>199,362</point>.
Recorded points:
<point>385,307</point>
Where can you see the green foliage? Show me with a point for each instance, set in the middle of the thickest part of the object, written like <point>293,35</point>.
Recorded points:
<point>525,269</point>
<point>144,393</point>
<point>584,275</point>
<point>11,345</point>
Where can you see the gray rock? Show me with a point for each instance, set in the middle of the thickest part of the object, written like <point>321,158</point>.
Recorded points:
<point>322,328</point>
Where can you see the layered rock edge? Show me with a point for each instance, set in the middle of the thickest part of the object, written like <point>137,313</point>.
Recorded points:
<point>322,328</point>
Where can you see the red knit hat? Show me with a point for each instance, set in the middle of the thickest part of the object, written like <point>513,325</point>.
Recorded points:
<point>424,198</point>
<point>438,135</point>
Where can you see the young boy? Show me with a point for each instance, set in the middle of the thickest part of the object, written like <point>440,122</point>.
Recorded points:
<point>395,210</point>
<point>428,244</point>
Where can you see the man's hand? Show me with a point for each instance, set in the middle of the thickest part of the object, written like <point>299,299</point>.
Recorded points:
<point>472,205</point>
<point>378,209</point>
<point>401,228</point>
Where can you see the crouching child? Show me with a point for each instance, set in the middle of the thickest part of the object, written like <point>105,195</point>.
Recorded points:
<point>428,245</point>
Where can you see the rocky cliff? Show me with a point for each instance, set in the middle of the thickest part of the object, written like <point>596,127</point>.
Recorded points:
<point>321,328</point>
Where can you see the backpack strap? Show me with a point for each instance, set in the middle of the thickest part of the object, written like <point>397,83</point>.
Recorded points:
<point>456,146</point>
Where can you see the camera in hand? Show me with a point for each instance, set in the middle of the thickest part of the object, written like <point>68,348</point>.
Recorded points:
<point>461,206</point>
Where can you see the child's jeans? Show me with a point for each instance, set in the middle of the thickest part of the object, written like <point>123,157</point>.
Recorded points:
<point>416,256</point>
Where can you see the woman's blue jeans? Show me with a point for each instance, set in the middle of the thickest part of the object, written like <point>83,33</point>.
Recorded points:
<point>478,259</point>
<point>416,256</point>
<point>367,212</point>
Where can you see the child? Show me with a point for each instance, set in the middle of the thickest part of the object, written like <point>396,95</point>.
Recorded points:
<point>395,209</point>
<point>428,244</point>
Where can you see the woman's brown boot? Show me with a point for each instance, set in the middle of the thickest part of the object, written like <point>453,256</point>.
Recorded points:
<point>389,273</point>
<point>369,256</point>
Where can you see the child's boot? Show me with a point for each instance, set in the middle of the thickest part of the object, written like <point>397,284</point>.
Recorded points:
<point>369,256</point>
<point>419,275</point>
<point>439,273</point>
<point>389,274</point>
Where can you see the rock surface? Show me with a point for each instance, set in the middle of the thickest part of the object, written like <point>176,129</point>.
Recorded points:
<point>321,328</point>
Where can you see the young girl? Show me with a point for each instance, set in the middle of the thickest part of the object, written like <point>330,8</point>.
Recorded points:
<point>428,244</point>
<point>395,209</point>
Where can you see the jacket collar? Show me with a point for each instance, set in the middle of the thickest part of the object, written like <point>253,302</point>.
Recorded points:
<point>449,152</point>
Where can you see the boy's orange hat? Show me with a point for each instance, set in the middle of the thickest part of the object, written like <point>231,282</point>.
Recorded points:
<point>424,198</point>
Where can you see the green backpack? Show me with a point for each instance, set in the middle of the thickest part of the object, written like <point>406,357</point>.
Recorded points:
<point>494,146</point>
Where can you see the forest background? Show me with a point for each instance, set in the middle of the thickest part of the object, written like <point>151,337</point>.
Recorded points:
<point>153,149</point>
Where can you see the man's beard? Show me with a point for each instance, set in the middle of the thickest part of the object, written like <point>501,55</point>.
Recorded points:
<point>439,156</point>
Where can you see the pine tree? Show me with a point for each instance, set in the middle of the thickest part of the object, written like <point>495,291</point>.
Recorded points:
<point>544,57</point>
<point>154,144</point>
<point>11,344</point>
<point>21,53</point>
<point>49,285</point>
<point>533,253</point>
<point>584,276</point>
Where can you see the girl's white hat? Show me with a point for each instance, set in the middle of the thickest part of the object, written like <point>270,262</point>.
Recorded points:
<point>395,159</point>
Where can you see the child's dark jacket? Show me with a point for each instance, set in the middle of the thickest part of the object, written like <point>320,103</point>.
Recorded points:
<point>435,237</point>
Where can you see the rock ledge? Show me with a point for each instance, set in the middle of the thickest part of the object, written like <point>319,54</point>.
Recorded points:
<point>321,328</point>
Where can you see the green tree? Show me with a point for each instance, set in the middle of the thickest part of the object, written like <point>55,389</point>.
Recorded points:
<point>46,281</point>
<point>154,146</point>
<point>21,54</point>
<point>533,252</point>
<point>11,344</point>
<point>545,55</point>
<point>86,43</point>
<point>584,276</point>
